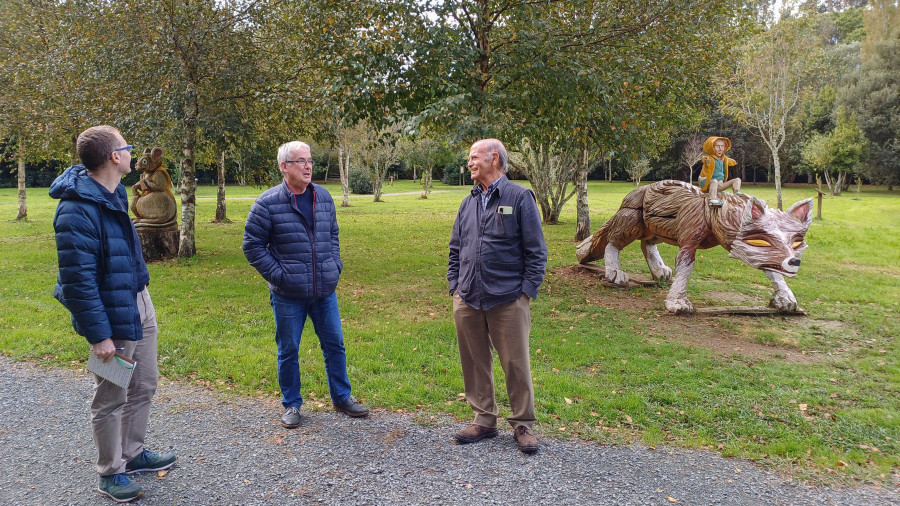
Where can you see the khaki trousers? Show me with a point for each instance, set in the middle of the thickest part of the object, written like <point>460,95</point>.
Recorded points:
<point>505,328</point>
<point>119,417</point>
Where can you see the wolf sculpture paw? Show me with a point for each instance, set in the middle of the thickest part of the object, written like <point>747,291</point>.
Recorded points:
<point>663,275</point>
<point>784,301</point>
<point>681,305</point>
<point>616,276</point>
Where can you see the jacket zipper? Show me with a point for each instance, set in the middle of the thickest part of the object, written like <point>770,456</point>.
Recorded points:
<point>313,241</point>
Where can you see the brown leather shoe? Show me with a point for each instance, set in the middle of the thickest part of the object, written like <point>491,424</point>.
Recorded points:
<point>474,433</point>
<point>526,440</point>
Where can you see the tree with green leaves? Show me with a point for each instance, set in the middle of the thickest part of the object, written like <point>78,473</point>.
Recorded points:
<point>872,92</point>
<point>381,152</point>
<point>201,59</point>
<point>45,97</point>
<point>837,154</point>
<point>568,74</point>
<point>770,77</point>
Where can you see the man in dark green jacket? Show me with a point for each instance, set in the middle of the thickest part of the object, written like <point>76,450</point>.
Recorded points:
<point>103,283</point>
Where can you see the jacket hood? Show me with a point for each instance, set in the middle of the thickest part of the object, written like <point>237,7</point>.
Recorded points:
<point>76,183</point>
<point>708,145</point>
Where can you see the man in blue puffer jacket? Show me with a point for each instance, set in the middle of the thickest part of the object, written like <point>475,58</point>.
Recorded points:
<point>103,283</point>
<point>291,238</point>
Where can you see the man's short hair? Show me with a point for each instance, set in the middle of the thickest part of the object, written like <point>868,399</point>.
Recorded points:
<point>495,146</point>
<point>287,147</point>
<point>95,145</point>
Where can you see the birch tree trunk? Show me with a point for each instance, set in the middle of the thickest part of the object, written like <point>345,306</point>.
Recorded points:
<point>378,175</point>
<point>550,171</point>
<point>776,163</point>
<point>344,169</point>
<point>426,181</point>
<point>828,182</point>
<point>74,149</point>
<point>23,204</point>
<point>187,246</point>
<point>220,193</point>
<point>583,226</point>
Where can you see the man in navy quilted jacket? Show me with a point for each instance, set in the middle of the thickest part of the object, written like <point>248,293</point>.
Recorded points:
<point>103,283</point>
<point>291,238</point>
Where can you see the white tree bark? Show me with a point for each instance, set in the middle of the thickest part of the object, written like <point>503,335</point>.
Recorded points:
<point>550,170</point>
<point>23,203</point>
<point>220,192</point>
<point>583,212</point>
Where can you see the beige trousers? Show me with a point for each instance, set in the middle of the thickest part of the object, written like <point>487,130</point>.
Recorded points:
<point>505,328</point>
<point>119,417</point>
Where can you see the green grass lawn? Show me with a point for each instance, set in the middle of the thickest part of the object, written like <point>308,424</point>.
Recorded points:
<point>813,396</point>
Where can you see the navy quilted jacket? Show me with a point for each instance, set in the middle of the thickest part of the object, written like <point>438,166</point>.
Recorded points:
<point>101,266</point>
<point>495,257</point>
<point>297,261</point>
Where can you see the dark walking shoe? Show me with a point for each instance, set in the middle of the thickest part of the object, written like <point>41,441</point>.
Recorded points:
<point>291,418</point>
<point>474,433</point>
<point>149,461</point>
<point>119,488</point>
<point>352,407</point>
<point>526,440</point>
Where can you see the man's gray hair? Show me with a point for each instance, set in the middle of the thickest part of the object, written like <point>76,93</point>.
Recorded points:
<point>287,147</point>
<point>495,146</point>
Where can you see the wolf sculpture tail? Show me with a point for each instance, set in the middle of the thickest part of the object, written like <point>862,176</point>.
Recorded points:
<point>594,247</point>
<point>627,221</point>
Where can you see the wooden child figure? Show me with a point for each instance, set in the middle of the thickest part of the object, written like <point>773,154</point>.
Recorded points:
<point>714,174</point>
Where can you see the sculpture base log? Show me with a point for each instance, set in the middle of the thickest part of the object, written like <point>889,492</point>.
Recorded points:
<point>746,311</point>
<point>633,281</point>
<point>158,244</point>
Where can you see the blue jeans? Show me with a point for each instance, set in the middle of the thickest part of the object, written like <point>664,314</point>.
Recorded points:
<point>290,317</point>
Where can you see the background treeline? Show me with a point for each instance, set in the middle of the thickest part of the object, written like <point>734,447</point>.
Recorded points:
<point>577,89</point>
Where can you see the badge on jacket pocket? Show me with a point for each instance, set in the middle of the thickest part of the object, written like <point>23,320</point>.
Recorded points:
<point>504,209</point>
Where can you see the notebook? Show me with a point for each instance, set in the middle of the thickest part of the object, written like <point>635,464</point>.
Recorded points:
<point>118,369</point>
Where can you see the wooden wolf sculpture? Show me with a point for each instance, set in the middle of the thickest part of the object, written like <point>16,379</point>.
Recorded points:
<point>677,213</point>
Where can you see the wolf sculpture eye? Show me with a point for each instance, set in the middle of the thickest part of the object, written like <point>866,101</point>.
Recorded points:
<point>797,244</point>
<point>759,242</point>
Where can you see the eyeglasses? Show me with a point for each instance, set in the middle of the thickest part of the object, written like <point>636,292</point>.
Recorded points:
<point>128,148</point>
<point>301,161</point>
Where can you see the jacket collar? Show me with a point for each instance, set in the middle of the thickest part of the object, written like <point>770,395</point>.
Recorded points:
<point>287,191</point>
<point>503,181</point>
<point>76,183</point>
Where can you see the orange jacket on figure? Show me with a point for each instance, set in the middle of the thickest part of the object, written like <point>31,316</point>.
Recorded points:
<point>709,162</point>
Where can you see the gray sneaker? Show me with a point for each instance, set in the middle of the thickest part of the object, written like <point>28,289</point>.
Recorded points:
<point>150,461</point>
<point>119,488</point>
<point>291,418</point>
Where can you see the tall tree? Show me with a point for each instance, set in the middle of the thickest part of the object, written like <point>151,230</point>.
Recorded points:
<point>200,57</point>
<point>769,78</point>
<point>45,96</point>
<point>873,92</point>
<point>619,76</point>
<point>837,154</point>
<point>690,154</point>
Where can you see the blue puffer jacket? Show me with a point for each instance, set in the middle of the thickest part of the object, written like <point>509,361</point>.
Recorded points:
<point>101,266</point>
<point>297,263</point>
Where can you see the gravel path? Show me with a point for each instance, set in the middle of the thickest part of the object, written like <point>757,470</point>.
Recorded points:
<point>234,451</point>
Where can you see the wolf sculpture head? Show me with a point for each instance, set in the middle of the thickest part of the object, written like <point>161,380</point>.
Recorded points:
<point>772,240</point>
